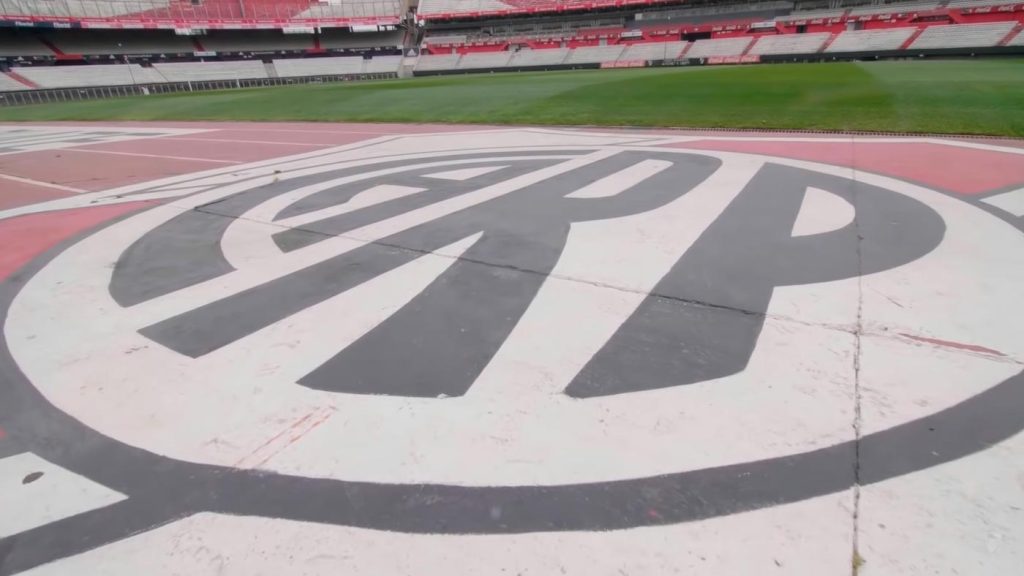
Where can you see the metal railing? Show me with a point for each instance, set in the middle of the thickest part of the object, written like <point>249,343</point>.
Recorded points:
<point>53,95</point>
<point>208,10</point>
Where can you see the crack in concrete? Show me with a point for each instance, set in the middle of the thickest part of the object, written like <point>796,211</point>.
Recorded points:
<point>856,560</point>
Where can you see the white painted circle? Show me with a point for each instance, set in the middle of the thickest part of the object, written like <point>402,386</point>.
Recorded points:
<point>240,406</point>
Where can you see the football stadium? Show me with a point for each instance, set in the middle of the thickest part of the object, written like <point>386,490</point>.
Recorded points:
<point>511,287</point>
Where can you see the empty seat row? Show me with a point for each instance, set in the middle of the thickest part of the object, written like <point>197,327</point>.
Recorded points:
<point>197,71</point>
<point>353,9</point>
<point>789,44</point>
<point>7,84</point>
<point>897,8</point>
<point>319,66</point>
<point>719,47</point>
<point>336,66</point>
<point>653,51</point>
<point>595,54</point>
<point>96,75</point>
<point>963,35</point>
<point>870,40</point>
<point>483,60</point>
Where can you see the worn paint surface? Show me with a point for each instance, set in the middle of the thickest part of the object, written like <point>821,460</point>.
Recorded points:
<point>532,350</point>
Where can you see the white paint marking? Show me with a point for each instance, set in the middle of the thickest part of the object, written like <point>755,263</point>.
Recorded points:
<point>465,173</point>
<point>242,245</point>
<point>821,212</point>
<point>568,321</point>
<point>161,156</point>
<point>57,494</point>
<point>368,197</point>
<point>298,344</point>
<point>622,180</point>
<point>1012,202</point>
<point>41,184</point>
<point>231,141</point>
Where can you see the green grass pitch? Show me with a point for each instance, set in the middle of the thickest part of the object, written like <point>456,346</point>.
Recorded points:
<point>976,96</point>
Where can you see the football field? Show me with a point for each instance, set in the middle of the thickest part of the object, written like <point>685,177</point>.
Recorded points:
<point>937,96</point>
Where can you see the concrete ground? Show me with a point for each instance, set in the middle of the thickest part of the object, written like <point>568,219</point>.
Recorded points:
<point>385,349</point>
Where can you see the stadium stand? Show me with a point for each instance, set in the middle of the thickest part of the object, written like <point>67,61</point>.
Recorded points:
<point>545,57</point>
<point>190,71</point>
<point>7,83</point>
<point>429,8</point>
<point>382,64</point>
<point>79,8</point>
<point>1017,40</point>
<point>294,67</point>
<point>653,51</point>
<point>963,35</point>
<point>811,15</point>
<point>484,60</point>
<point>789,43</point>
<point>978,3</point>
<point>870,40</point>
<point>752,10</point>
<point>898,8</point>
<point>250,10</point>
<point>719,47</point>
<point>93,75</point>
<point>594,54</point>
<point>429,62</point>
<point>352,9</point>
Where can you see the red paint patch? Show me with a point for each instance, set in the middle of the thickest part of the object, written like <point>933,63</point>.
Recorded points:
<point>3,433</point>
<point>947,167</point>
<point>956,345</point>
<point>26,237</point>
<point>92,172</point>
<point>13,194</point>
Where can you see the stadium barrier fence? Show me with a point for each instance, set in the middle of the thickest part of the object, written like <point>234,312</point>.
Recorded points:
<point>49,95</point>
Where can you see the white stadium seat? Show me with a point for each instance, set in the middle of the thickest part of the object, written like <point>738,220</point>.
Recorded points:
<point>382,64</point>
<point>482,60</point>
<point>963,35</point>
<point>594,54</point>
<point>898,8</point>
<point>191,71</point>
<point>7,84</point>
<point>790,43</point>
<point>460,6</point>
<point>719,47</point>
<point>653,51</point>
<point>548,57</point>
<point>430,62</point>
<point>870,40</point>
<point>93,75</point>
<point>294,67</point>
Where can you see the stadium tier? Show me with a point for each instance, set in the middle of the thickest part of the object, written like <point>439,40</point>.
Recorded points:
<point>194,71</point>
<point>484,60</point>
<point>620,35</point>
<point>318,66</point>
<point>789,44</point>
<point>653,51</point>
<point>79,76</point>
<point>719,47</point>
<point>129,74</point>
<point>550,57</point>
<point>594,54</point>
<point>444,9</point>
<point>223,13</point>
<point>871,40</point>
<point>963,35</point>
